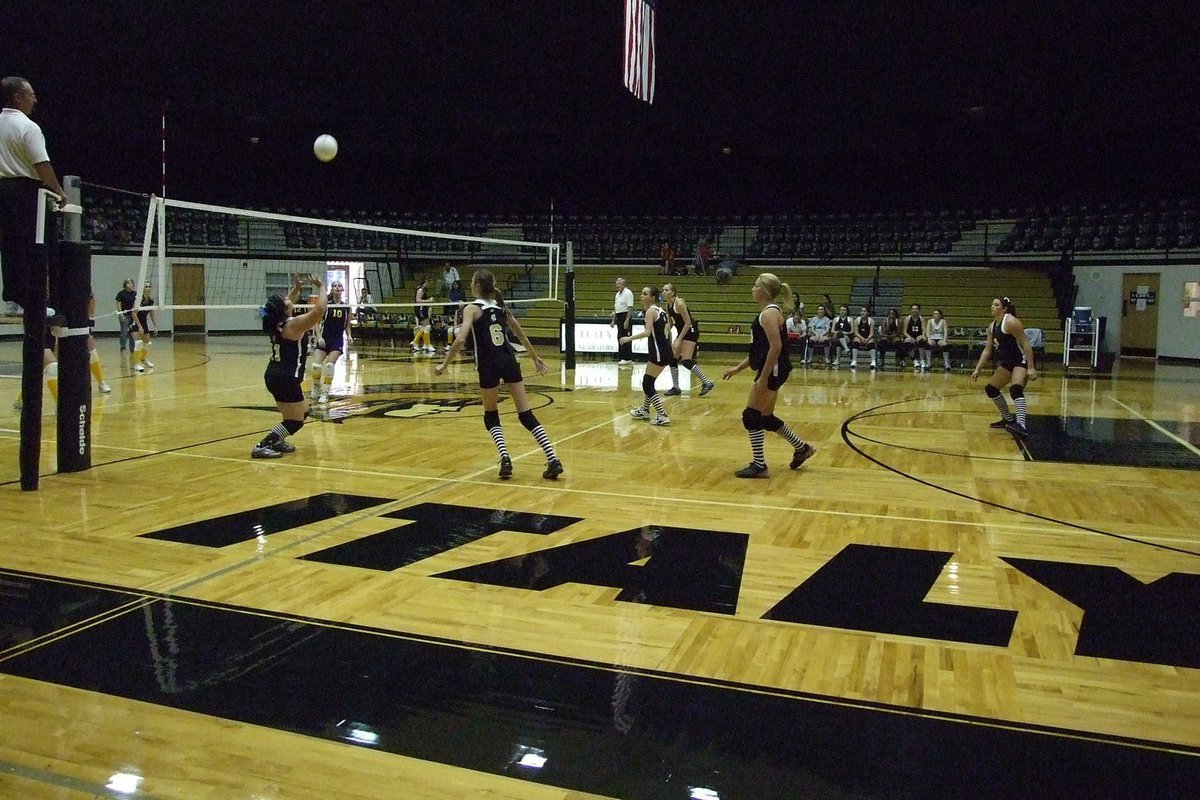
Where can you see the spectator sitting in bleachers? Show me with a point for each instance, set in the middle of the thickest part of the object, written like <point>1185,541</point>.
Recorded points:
<point>819,334</point>
<point>666,259</point>
<point>843,329</point>
<point>914,338</point>
<point>797,333</point>
<point>890,338</point>
<point>703,256</point>
<point>937,333</point>
<point>863,337</point>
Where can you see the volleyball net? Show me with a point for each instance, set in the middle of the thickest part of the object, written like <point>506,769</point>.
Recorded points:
<point>199,257</point>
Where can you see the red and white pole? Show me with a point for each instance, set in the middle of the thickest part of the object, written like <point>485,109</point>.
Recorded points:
<point>163,188</point>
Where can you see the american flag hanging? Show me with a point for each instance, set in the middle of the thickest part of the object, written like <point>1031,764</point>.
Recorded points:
<point>639,48</point>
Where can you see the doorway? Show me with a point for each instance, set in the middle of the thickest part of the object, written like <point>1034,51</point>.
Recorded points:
<point>188,281</point>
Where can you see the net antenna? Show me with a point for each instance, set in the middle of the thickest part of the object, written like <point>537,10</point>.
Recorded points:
<point>200,257</point>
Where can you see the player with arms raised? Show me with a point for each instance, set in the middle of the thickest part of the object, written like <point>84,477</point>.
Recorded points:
<point>487,320</point>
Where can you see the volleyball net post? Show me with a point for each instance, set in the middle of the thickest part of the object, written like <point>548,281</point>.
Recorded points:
<point>60,271</point>
<point>569,311</point>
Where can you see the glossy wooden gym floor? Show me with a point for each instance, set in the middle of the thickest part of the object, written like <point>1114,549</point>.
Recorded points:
<point>926,607</point>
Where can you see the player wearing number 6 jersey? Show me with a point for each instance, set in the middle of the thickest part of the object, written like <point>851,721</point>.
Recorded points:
<point>487,321</point>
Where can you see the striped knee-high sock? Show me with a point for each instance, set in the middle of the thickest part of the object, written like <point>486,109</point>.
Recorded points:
<point>657,402</point>
<point>1002,405</point>
<point>1020,403</point>
<point>675,375</point>
<point>787,433</point>
<point>757,438</point>
<point>497,434</point>
<point>699,373</point>
<point>544,442</point>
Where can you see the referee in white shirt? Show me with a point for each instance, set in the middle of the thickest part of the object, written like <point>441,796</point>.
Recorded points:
<point>24,168</point>
<point>623,321</point>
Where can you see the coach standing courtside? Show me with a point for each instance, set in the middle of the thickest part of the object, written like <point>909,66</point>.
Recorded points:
<point>623,321</point>
<point>24,168</point>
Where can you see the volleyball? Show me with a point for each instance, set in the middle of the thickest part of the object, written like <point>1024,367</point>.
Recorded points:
<point>325,147</point>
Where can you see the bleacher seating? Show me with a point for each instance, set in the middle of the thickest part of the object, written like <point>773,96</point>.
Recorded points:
<point>1165,225</point>
<point>115,222</point>
<point>725,311</point>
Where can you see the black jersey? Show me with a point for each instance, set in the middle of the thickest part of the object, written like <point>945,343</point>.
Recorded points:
<point>842,325</point>
<point>760,345</point>
<point>914,326</point>
<point>333,325</point>
<point>144,316</point>
<point>677,320</point>
<point>490,332</point>
<point>891,327</point>
<point>422,311</point>
<point>1008,351</point>
<point>864,328</point>
<point>658,344</point>
<point>289,355</point>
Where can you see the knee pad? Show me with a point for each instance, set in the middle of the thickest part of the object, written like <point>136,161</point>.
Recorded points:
<point>648,385</point>
<point>138,345</point>
<point>688,363</point>
<point>1016,391</point>
<point>674,363</point>
<point>991,391</point>
<point>752,419</point>
<point>491,419</point>
<point>527,419</point>
<point>293,425</point>
<point>772,423</point>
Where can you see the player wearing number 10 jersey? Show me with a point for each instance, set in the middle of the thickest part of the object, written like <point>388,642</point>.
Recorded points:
<point>487,321</point>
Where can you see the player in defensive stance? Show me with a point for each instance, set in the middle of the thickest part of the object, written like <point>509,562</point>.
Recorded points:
<point>289,349</point>
<point>143,320</point>
<point>1013,364</point>
<point>769,358</point>
<point>658,355</point>
<point>487,320</point>
<point>332,336</point>
<point>687,335</point>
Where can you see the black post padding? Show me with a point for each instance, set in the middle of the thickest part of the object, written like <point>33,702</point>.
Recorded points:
<point>38,267</point>
<point>31,364</point>
<point>74,271</point>
<point>569,318</point>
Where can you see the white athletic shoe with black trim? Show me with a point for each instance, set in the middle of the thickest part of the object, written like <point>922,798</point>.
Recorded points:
<point>660,419</point>
<point>637,412</point>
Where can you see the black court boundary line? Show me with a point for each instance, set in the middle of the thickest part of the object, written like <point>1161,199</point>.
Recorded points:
<point>790,694</point>
<point>847,433</point>
<point>967,456</point>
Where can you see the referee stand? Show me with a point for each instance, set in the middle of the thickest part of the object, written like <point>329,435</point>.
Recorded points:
<point>66,280</point>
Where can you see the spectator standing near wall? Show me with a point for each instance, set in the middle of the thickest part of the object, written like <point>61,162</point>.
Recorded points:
<point>125,300</point>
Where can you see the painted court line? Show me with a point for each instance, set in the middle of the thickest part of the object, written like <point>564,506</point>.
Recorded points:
<point>1184,442</point>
